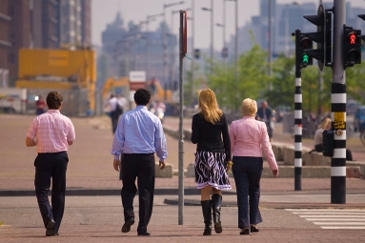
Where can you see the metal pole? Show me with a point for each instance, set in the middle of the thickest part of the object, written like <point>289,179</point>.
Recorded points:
<point>338,113</point>
<point>270,39</point>
<point>224,28</point>
<point>298,124</point>
<point>181,132</point>
<point>164,51</point>
<point>236,46</point>
<point>193,59</point>
<point>211,32</point>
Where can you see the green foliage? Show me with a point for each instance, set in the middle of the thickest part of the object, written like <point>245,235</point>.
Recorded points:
<point>251,80</point>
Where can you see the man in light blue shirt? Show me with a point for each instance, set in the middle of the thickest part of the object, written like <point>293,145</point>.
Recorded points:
<point>138,136</point>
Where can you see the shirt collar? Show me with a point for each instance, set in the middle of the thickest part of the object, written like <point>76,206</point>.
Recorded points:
<point>53,111</point>
<point>141,107</point>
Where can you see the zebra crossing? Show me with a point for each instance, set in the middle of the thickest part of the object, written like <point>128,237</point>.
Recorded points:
<point>333,218</point>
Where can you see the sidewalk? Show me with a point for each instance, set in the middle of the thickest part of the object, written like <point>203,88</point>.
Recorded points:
<point>90,169</point>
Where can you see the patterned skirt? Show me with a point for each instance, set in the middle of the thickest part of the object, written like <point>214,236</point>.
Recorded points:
<point>210,170</point>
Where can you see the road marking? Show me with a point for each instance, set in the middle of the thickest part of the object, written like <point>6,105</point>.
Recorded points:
<point>333,218</point>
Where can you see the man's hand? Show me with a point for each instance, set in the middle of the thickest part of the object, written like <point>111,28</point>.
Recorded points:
<point>117,165</point>
<point>161,164</point>
<point>275,173</point>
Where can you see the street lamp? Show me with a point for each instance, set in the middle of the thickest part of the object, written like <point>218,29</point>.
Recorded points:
<point>150,18</point>
<point>164,44</point>
<point>211,28</point>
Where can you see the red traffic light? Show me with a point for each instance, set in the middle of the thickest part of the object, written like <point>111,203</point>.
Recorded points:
<point>352,39</point>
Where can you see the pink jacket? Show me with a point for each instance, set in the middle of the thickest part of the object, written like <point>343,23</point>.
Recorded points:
<point>247,136</point>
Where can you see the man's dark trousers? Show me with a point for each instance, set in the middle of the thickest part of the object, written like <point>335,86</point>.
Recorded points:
<point>47,166</point>
<point>143,167</point>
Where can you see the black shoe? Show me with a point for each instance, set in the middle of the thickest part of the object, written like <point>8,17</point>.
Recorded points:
<point>127,225</point>
<point>254,229</point>
<point>245,232</point>
<point>51,225</point>
<point>144,233</point>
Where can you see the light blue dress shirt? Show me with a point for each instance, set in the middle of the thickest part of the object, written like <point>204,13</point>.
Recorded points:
<point>139,131</point>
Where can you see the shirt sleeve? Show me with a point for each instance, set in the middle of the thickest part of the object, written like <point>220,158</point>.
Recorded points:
<point>71,136</point>
<point>266,145</point>
<point>118,141</point>
<point>226,139</point>
<point>160,142</point>
<point>231,136</point>
<point>195,131</point>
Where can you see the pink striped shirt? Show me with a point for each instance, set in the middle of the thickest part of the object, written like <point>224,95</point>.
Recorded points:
<point>52,131</point>
<point>247,136</point>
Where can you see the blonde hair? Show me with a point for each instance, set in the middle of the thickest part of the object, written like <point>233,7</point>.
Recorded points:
<point>209,106</point>
<point>325,122</point>
<point>249,107</point>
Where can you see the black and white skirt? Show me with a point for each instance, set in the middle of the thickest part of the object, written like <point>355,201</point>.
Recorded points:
<point>210,170</point>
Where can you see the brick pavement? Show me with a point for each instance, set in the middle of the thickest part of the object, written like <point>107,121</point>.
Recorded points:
<point>90,168</point>
<point>90,165</point>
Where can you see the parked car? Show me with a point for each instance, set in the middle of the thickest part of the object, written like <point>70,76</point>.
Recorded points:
<point>359,118</point>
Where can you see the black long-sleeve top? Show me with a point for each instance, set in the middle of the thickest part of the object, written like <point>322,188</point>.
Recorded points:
<point>211,137</point>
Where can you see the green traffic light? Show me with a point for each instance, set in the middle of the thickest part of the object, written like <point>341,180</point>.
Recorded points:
<point>305,59</point>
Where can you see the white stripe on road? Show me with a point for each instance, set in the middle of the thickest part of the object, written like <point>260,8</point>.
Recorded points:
<point>333,218</point>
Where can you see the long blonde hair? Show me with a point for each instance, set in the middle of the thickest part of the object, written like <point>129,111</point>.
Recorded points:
<point>325,123</point>
<point>209,106</point>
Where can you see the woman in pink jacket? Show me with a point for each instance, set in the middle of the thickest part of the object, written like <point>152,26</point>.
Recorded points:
<point>247,137</point>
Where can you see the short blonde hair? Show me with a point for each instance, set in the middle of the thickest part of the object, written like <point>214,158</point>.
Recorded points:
<point>325,122</point>
<point>249,107</point>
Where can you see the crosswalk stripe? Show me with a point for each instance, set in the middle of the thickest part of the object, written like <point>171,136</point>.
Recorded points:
<point>333,218</point>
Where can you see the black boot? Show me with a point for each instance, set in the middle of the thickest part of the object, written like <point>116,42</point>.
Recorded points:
<point>216,205</point>
<point>207,213</point>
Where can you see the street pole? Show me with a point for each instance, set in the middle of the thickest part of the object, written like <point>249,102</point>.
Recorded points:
<point>193,49</point>
<point>181,131</point>
<point>211,33</point>
<point>270,40</point>
<point>298,124</point>
<point>338,111</point>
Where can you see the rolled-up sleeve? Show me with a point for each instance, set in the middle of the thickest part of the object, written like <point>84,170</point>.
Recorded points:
<point>119,139</point>
<point>160,142</point>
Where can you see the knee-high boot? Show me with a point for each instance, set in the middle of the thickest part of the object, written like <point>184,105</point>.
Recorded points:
<point>216,205</point>
<point>207,213</point>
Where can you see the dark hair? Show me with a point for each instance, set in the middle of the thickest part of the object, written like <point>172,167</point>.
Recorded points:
<point>54,100</point>
<point>142,97</point>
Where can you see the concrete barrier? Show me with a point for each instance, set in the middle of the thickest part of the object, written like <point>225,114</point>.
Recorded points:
<point>165,173</point>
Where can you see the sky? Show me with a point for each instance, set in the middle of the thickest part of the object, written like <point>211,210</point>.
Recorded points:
<point>104,12</point>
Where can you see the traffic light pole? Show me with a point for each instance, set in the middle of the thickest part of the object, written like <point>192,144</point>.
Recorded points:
<point>298,130</point>
<point>338,104</point>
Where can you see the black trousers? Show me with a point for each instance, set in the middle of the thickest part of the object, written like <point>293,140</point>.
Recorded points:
<point>47,166</point>
<point>143,167</point>
<point>114,115</point>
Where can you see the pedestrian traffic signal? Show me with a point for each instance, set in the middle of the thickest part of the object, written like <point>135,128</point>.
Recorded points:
<point>328,143</point>
<point>197,53</point>
<point>351,46</point>
<point>302,43</point>
<point>322,37</point>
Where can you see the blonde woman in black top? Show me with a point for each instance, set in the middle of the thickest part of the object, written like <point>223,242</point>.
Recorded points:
<point>212,159</point>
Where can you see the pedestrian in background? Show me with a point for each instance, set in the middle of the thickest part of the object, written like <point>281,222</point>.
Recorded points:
<point>40,105</point>
<point>266,115</point>
<point>212,159</point>
<point>248,136</point>
<point>51,133</point>
<point>114,113</point>
<point>139,135</point>
<point>318,138</point>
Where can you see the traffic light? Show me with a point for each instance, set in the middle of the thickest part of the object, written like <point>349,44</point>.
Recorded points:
<point>323,21</point>
<point>351,46</point>
<point>302,43</point>
<point>197,53</point>
<point>328,143</point>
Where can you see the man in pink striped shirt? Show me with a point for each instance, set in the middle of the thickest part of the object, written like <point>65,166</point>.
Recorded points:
<point>51,133</point>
